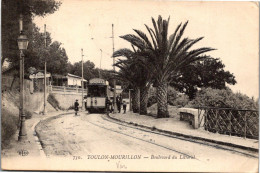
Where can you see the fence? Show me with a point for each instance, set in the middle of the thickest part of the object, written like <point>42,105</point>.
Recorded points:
<point>63,89</point>
<point>243,123</point>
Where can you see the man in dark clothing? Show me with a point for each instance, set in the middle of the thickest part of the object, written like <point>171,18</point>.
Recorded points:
<point>107,105</point>
<point>85,101</point>
<point>118,103</point>
<point>124,106</point>
<point>76,107</point>
<point>112,106</point>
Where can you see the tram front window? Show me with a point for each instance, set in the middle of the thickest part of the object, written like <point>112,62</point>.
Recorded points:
<point>97,91</point>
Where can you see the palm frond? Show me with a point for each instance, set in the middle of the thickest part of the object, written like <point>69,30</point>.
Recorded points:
<point>172,37</point>
<point>123,52</point>
<point>134,40</point>
<point>156,30</point>
<point>176,41</point>
<point>144,37</point>
<point>152,36</point>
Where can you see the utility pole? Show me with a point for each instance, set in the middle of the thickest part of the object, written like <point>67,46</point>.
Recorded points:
<point>100,64</point>
<point>45,45</point>
<point>114,81</point>
<point>82,85</point>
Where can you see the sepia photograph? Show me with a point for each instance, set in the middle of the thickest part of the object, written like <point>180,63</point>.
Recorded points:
<point>128,85</point>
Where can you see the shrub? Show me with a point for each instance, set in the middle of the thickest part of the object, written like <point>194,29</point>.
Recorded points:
<point>228,121</point>
<point>28,114</point>
<point>71,107</point>
<point>172,95</point>
<point>181,100</point>
<point>53,101</point>
<point>177,99</point>
<point>224,98</point>
<point>174,98</point>
<point>10,123</point>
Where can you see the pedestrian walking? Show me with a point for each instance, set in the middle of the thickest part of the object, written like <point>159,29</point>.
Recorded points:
<point>85,103</point>
<point>76,107</point>
<point>124,106</point>
<point>118,103</point>
<point>108,102</point>
<point>112,106</point>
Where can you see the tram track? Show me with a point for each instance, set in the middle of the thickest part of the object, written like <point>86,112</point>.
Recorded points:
<point>205,143</point>
<point>147,141</point>
<point>102,121</point>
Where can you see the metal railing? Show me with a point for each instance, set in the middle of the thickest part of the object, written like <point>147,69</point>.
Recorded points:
<point>234,122</point>
<point>64,89</point>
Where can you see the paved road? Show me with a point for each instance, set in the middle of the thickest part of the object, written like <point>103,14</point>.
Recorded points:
<point>94,136</point>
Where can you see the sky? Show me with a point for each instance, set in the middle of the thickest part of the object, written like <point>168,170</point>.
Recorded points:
<point>230,27</point>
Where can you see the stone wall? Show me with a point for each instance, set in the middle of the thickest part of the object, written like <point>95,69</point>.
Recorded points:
<point>67,100</point>
<point>34,102</point>
<point>195,117</point>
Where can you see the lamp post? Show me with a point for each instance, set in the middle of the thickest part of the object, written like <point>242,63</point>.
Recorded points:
<point>45,71</point>
<point>82,81</point>
<point>22,45</point>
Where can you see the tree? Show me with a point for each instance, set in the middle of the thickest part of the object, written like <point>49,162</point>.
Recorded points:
<point>127,73</point>
<point>55,56</point>
<point>223,98</point>
<point>36,53</point>
<point>89,71</point>
<point>108,75</point>
<point>165,56</point>
<point>57,59</point>
<point>11,10</point>
<point>205,73</point>
<point>132,70</point>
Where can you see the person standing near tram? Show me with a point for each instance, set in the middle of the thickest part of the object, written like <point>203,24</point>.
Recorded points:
<point>76,107</point>
<point>108,105</point>
<point>118,103</point>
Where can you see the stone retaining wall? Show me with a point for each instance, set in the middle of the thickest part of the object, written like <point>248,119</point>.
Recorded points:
<point>68,100</point>
<point>195,117</point>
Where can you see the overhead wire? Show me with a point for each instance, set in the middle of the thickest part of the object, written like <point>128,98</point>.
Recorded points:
<point>96,43</point>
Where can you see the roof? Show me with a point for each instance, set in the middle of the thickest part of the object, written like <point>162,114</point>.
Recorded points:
<point>98,81</point>
<point>74,76</point>
<point>68,75</point>
<point>39,75</point>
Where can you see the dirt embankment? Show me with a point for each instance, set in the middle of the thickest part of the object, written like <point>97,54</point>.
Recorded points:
<point>10,112</point>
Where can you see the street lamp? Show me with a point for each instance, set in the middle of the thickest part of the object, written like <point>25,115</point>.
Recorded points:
<point>22,45</point>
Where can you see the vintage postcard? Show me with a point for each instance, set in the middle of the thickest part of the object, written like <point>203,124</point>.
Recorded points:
<point>145,86</point>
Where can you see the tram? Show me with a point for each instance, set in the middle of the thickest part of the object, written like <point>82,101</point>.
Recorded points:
<point>98,91</point>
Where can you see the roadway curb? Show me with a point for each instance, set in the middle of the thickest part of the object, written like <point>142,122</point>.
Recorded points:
<point>36,139</point>
<point>187,136</point>
<point>37,135</point>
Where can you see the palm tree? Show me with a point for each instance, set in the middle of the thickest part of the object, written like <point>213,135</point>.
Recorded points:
<point>125,74</point>
<point>164,56</point>
<point>131,70</point>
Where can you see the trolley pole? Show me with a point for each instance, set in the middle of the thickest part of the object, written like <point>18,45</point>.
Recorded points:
<point>45,45</point>
<point>114,81</point>
<point>100,64</point>
<point>82,85</point>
